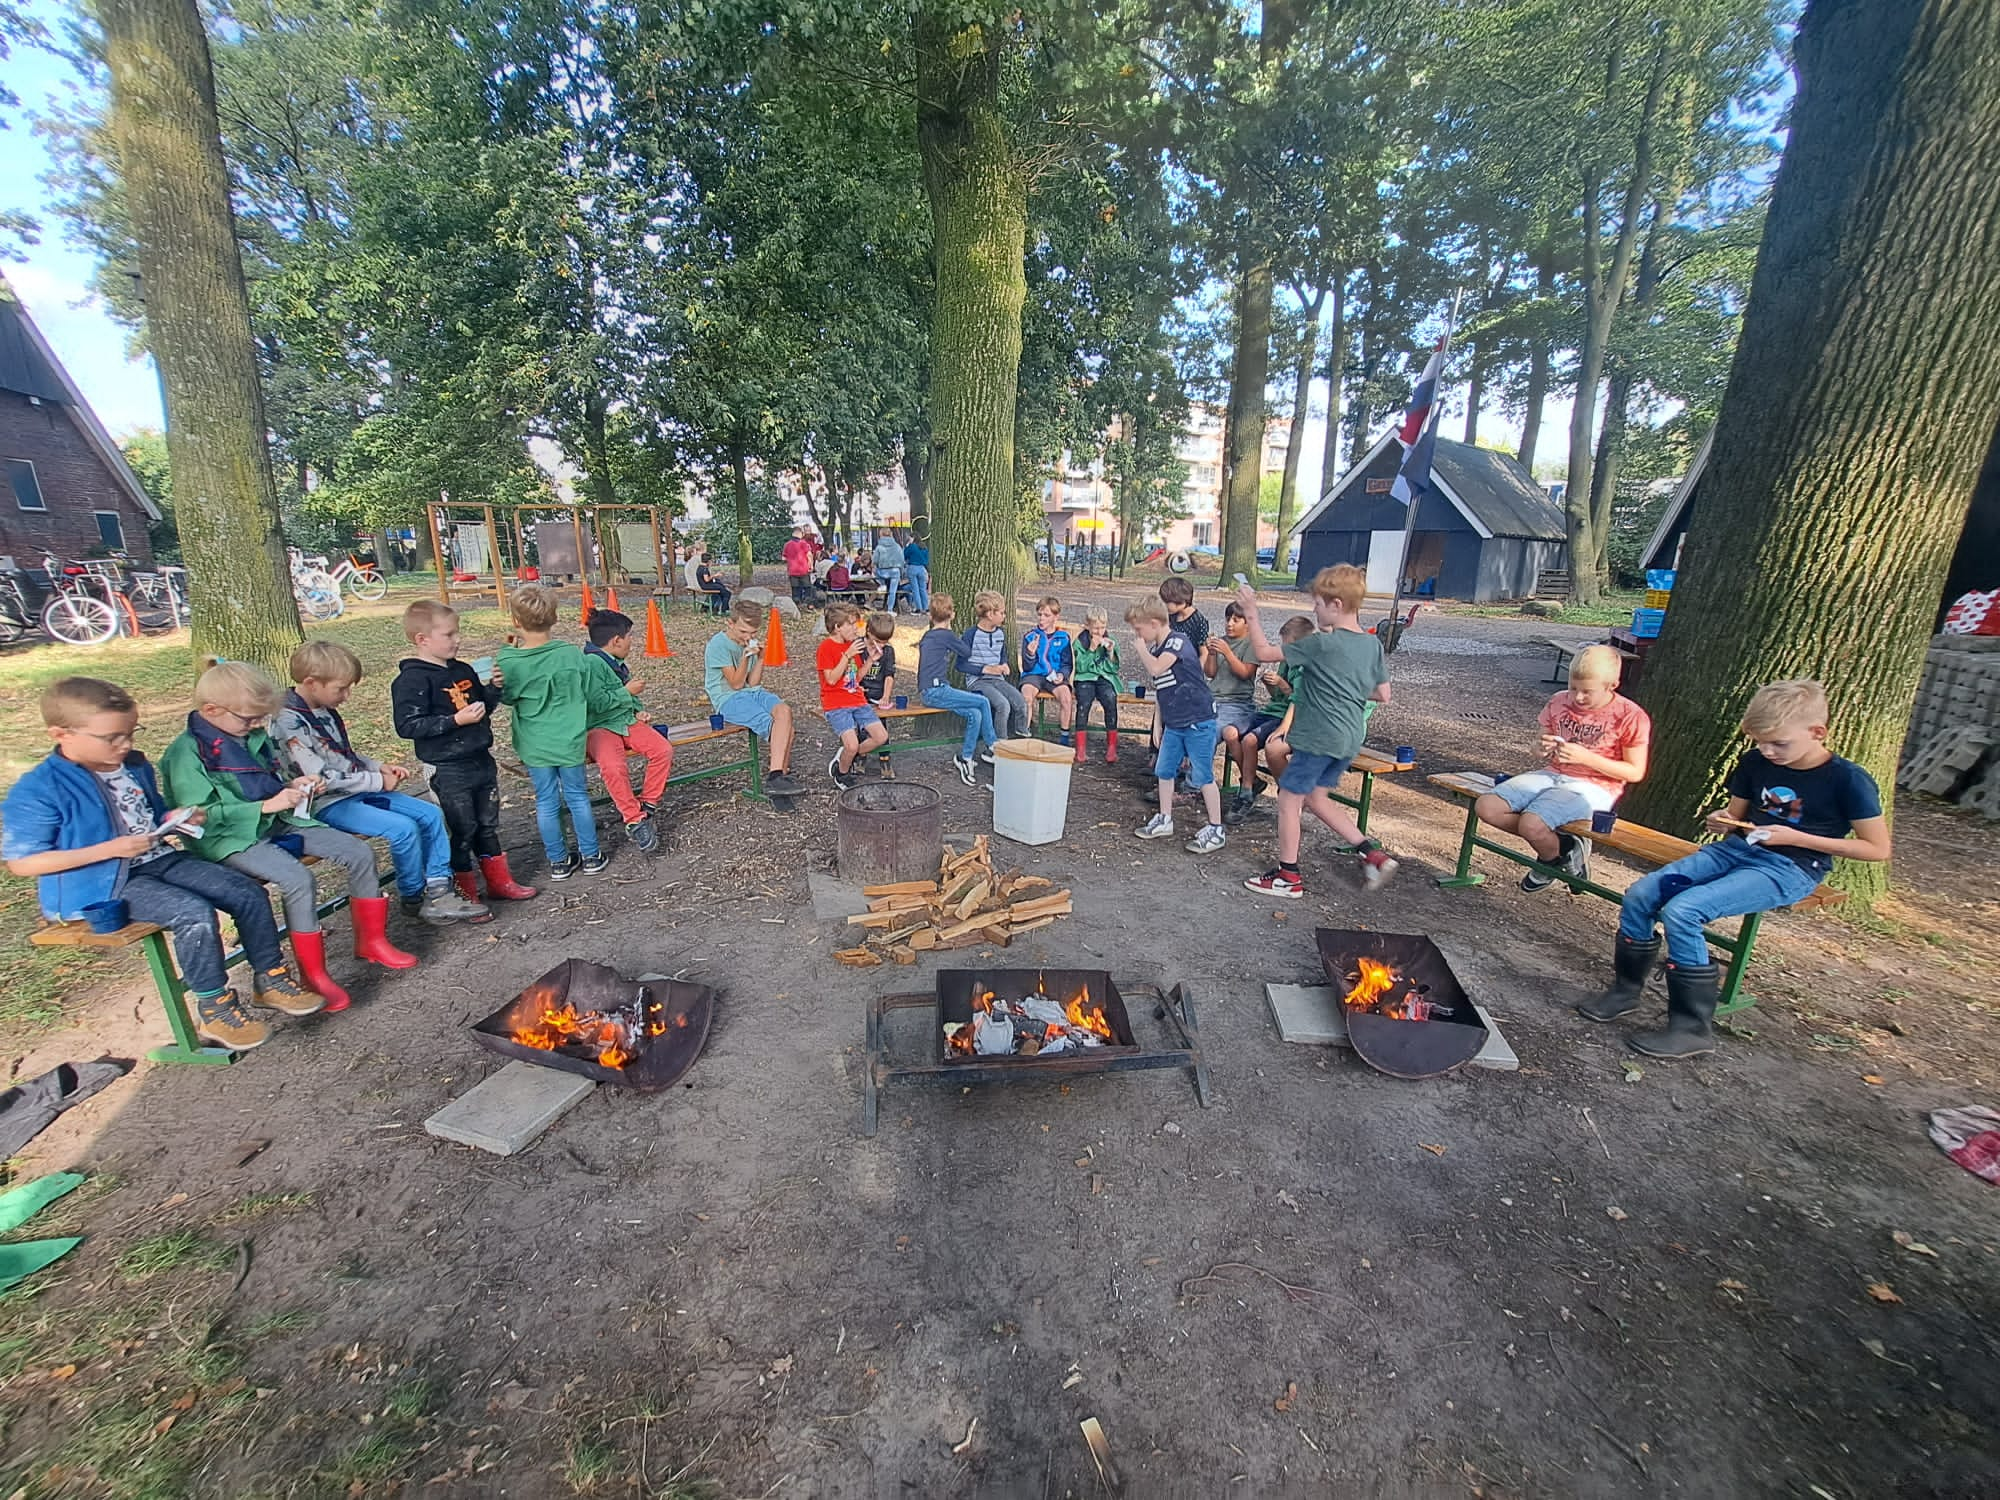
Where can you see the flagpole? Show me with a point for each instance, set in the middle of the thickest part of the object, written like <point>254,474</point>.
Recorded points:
<point>1394,622</point>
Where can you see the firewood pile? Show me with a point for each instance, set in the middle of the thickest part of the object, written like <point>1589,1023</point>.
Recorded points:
<point>970,904</point>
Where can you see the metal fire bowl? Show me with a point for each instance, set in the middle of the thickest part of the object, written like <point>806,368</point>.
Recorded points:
<point>1450,1039</point>
<point>661,1061</point>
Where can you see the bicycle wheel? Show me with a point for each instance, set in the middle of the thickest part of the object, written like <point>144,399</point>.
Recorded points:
<point>148,591</point>
<point>366,583</point>
<point>320,605</point>
<point>77,620</point>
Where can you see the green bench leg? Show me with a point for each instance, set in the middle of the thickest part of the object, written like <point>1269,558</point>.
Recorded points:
<point>187,1047</point>
<point>1733,999</point>
<point>1367,801</point>
<point>756,788</point>
<point>1465,876</point>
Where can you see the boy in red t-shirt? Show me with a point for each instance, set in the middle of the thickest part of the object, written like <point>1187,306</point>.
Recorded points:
<point>843,658</point>
<point>1597,744</point>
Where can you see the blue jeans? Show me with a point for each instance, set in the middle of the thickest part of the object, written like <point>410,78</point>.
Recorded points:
<point>920,586</point>
<point>971,707</point>
<point>1728,878</point>
<point>891,577</point>
<point>554,787</point>
<point>414,830</point>
<point>182,894</point>
<point>1010,709</point>
<point>1194,743</point>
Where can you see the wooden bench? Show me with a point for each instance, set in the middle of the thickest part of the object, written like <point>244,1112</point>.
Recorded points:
<point>1643,845</point>
<point>1148,705</point>
<point>892,714</point>
<point>1367,764</point>
<point>698,733</point>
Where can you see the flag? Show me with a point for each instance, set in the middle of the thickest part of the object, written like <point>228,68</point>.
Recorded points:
<point>1418,434</point>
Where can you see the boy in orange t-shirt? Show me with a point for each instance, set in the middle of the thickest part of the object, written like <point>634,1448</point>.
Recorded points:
<point>843,658</point>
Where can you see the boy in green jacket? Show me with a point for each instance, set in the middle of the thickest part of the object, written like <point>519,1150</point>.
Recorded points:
<point>543,683</point>
<point>261,824</point>
<point>616,731</point>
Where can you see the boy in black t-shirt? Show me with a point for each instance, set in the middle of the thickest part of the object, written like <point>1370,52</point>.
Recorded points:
<point>878,683</point>
<point>1792,806</point>
<point>1178,596</point>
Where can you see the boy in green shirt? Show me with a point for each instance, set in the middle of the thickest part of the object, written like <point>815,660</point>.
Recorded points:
<point>543,683</point>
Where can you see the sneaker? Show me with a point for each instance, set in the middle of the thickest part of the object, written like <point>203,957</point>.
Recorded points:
<point>224,1022</point>
<point>1537,880</point>
<point>443,905</point>
<point>568,867</point>
<point>643,838</point>
<point>1376,868</point>
<point>965,771</point>
<point>1575,856</point>
<point>596,864</point>
<point>987,755</point>
<point>277,990</point>
<point>647,809</point>
<point>1283,884</point>
<point>1208,840</point>
<point>1159,826</point>
<point>782,784</point>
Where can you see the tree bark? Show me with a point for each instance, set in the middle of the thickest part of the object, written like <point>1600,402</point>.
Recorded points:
<point>978,195</point>
<point>1537,394</point>
<point>198,324</point>
<point>1604,291</point>
<point>1336,378</point>
<point>1859,404</point>
<point>739,479</point>
<point>1302,374</point>
<point>1251,373</point>
<point>916,480</point>
<point>1604,466</point>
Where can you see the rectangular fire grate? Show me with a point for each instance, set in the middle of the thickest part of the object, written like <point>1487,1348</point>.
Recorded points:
<point>954,999</point>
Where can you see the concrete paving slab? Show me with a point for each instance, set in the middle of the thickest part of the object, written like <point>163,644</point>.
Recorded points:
<point>1312,1015</point>
<point>505,1113</point>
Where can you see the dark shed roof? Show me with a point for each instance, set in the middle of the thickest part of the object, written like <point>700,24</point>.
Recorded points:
<point>1499,490</point>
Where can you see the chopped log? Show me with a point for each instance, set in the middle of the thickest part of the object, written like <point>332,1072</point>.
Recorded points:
<point>901,934</point>
<point>857,958</point>
<point>948,937</point>
<point>1057,904</point>
<point>998,932</point>
<point>1020,927</point>
<point>972,899</point>
<point>901,903</point>
<point>923,939</point>
<point>1026,883</point>
<point>902,954</point>
<point>902,888</point>
<point>872,919</point>
<point>956,888</point>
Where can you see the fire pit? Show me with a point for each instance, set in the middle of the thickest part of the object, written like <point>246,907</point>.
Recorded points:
<point>584,1018</point>
<point>1407,1015</point>
<point>997,1025</point>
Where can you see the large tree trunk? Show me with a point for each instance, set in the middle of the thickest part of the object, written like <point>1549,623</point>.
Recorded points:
<point>739,480</point>
<point>917,479</point>
<point>1302,375</point>
<point>1859,405</point>
<point>1336,377</point>
<point>1604,291</point>
<point>198,324</point>
<point>978,196</point>
<point>1537,394</point>
<point>1604,467</point>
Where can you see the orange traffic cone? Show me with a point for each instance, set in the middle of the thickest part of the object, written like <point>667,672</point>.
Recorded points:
<point>774,642</point>
<point>589,602</point>
<point>656,631</point>
<point>611,594</point>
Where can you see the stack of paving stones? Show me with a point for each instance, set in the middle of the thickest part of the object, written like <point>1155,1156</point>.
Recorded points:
<point>1953,748</point>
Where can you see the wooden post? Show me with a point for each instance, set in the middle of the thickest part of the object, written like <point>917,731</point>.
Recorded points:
<point>604,551</point>
<point>664,554</point>
<point>520,542</point>
<point>431,513</point>
<point>499,562</point>
<point>582,557</point>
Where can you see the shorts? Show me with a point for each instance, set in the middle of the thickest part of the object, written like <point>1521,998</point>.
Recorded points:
<point>1194,743</point>
<point>856,719</point>
<point>1236,716</point>
<point>1554,798</point>
<point>1039,681</point>
<point>1264,726</point>
<point>750,708</point>
<point>1307,773</point>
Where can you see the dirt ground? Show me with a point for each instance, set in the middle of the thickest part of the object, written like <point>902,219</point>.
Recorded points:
<point>1577,1279</point>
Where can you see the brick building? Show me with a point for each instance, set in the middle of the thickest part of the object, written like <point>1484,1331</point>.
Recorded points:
<point>64,485</point>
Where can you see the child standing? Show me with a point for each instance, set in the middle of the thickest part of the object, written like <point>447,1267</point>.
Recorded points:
<point>986,658</point>
<point>839,660</point>
<point>1337,671</point>
<point>1094,677</point>
<point>1597,744</point>
<point>938,652</point>
<point>542,681</point>
<point>1793,807</point>
<point>358,794</point>
<point>84,825</point>
<point>1045,664</point>
<point>733,677</point>
<point>439,704</point>
<point>616,730</point>
<point>1187,722</point>
<point>225,764</point>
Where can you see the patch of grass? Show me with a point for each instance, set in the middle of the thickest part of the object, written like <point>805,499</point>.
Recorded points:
<point>589,1463</point>
<point>285,1320</point>
<point>204,1363</point>
<point>183,1249</point>
<point>375,1458</point>
<point>118,1452</point>
<point>412,1400</point>
<point>352,1266</point>
<point>1615,608</point>
<point>264,1203</point>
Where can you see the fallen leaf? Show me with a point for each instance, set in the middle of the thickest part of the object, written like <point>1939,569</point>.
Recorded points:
<point>185,1403</point>
<point>1284,1402</point>
<point>1914,1246</point>
<point>165,1425</point>
<point>1873,1080</point>
<point>1617,1214</point>
<point>1881,1291</point>
<point>1073,1379</point>
<point>902,1242</point>
<point>1633,1072</point>
<point>62,1372</point>
<point>1096,1184</point>
<point>970,1428</point>
<point>1434,1150</point>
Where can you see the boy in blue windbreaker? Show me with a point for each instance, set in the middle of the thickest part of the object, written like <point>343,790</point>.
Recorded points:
<point>1046,664</point>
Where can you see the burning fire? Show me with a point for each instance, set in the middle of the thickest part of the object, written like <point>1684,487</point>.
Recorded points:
<point>614,1039</point>
<point>1370,990</point>
<point>1030,1026</point>
<point>1091,1019</point>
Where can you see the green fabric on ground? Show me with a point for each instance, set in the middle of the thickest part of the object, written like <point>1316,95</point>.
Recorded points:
<point>17,1206</point>
<point>21,1260</point>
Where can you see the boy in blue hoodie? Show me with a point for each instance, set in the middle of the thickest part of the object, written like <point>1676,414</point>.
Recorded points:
<point>85,825</point>
<point>1045,664</point>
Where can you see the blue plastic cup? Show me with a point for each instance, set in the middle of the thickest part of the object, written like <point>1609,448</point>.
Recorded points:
<point>1406,755</point>
<point>108,916</point>
<point>1139,689</point>
<point>1498,778</point>
<point>482,667</point>
<point>1604,822</point>
<point>902,700</point>
<point>715,722</point>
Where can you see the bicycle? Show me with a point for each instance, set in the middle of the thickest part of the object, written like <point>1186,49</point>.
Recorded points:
<point>74,614</point>
<point>159,600</point>
<point>360,579</point>
<point>314,588</point>
<point>20,610</point>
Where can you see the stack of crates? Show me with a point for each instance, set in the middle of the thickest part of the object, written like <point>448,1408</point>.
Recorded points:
<point>1646,622</point>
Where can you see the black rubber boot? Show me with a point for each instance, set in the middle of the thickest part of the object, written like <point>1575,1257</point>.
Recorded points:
<point>1692,994</point>
<point>1632,963</point>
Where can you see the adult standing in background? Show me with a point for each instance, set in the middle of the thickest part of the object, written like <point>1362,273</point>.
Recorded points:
<point>799,565</point>
<point>888,566</point>
<point>917,566</point>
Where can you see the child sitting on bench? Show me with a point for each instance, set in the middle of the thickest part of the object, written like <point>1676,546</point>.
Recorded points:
<point>1597,744</point>
<point>1792,806</point>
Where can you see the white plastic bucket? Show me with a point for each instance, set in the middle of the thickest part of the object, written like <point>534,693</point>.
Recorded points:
<point>1031,790</point>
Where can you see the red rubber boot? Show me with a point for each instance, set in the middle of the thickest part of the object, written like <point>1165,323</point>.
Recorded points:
<point>309,952</point>
<point>468,887</point>
<point>1082,746</point>
<point>500,882</point>
<point>371,934</point>
<point>1110,746</point>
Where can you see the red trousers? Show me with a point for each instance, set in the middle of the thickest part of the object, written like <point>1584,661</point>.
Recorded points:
<point>609,750</point>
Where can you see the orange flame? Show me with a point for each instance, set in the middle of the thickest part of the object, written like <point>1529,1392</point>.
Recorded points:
<point>554,1026</point>
<point>1372,986</point>
<point>1090,1019</point>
